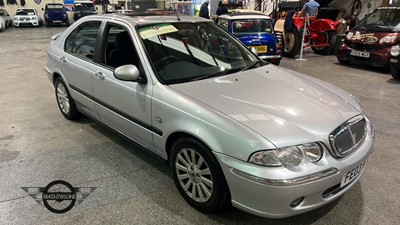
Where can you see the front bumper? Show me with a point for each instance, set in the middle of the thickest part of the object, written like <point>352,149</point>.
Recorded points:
<point>19,23</point>
<point>377,58</point>
<point>275,59</point>
<point>271,191</point>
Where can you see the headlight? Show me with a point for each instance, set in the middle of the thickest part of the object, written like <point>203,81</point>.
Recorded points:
<point>46,16</point>
<point>289,157</point>
<point>312,151</point>
<point>387,39</point>
<point>33,18</point>
<point>395,50</point>
<point>265,158</point>
<point>65,15</point>
<point>16,18</point>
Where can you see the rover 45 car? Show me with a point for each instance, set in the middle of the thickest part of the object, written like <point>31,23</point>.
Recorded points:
<point>234,129</point>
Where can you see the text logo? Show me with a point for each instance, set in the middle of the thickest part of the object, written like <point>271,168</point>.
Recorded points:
<point>59,196</point>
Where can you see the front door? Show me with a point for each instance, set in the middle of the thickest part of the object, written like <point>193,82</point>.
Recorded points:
<point>123,105</point>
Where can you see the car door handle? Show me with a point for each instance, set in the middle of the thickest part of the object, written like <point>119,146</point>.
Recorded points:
<point>100,75</point>
<point>63,59</point>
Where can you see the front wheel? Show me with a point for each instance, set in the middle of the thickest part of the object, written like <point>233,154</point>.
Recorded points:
<point>198,176</point>
<point>291,43</point>
<point>65,102</point>
<point>328,37</point>
<point>395,73</point>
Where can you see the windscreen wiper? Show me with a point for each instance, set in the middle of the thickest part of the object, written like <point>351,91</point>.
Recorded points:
<point>250,66</point>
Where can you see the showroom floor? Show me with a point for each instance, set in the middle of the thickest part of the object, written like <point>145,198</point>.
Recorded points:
<point>37,146</point>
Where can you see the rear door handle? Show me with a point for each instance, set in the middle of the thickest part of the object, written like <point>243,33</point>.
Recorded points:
<point>63,59</point>
<point>100,75</point>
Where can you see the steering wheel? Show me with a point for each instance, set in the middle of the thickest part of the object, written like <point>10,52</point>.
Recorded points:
<point>163,60</point>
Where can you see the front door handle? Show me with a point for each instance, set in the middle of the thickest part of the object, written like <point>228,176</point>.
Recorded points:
<point>63,59</point>
<point>100,75</point>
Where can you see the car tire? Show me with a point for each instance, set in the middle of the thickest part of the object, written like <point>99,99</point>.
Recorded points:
<point>291,43</point>
<point>47,23</point>
<point>328,37</point>
<point>67,23</point>
<point>65,102</point>
<point>195,168</point>
<point>395,73</point>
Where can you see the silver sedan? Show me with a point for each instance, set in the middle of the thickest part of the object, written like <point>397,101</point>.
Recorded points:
<point>235,130</point>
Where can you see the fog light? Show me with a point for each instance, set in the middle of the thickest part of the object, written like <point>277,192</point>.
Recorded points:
<point>296,202</point>
<point>395,50</point>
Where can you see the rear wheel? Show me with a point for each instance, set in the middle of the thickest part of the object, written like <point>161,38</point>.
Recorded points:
<point>65,102</point>
<point>395,72</point>
<point>291,43</point>
<point>328,37</point>
<point>198,176</point>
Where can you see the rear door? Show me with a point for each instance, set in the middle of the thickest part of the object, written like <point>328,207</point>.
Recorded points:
<point>77,63</point>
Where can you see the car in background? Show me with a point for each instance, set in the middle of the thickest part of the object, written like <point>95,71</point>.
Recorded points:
<point>7,19</point>
<point>2,24</point>
<point>255,30</point>
<point>83,8</point>
<point>124,11</point>
<point>233,128</point>
<point>55,14</point>
<point>26,17</point>
<point>395,61</point>
<point>371,41</point>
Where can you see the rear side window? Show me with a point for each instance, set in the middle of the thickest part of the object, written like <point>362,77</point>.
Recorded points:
<point>82,41</point>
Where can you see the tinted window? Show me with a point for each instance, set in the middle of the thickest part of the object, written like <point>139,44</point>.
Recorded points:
<point>252,26</point>
<point>118,48</point>
<point>82,40</point>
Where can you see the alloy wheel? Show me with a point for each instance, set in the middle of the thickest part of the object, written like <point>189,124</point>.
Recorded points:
<point>194,175</point>
<point>62,97</point>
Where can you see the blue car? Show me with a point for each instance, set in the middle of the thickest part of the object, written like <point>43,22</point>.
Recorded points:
<point>55,13</point>
<point>254,30</point>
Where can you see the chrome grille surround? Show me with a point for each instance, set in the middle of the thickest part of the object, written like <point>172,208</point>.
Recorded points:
<point>346,138</point>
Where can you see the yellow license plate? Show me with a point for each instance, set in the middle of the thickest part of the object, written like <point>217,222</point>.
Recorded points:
<point>260,48</point>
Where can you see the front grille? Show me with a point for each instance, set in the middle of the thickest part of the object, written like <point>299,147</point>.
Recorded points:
<point>360,46</point>
<point>348,136</point>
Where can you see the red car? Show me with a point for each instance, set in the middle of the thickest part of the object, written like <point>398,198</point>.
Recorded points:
<point>371,41</point>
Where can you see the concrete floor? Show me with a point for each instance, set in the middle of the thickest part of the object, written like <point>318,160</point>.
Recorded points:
<point>37,146</point>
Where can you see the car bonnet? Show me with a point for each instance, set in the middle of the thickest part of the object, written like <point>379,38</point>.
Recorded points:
<point>283,107</point>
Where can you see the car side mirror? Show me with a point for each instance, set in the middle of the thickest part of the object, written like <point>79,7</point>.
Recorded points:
<point>254,50</point>
<point>129,73</point>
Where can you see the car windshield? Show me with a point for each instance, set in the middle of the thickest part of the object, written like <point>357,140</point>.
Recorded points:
<point>384,18</point>
<point>25,12</point>
<point>55,7</point>
<point>84,6</point>
<point>246,26</point>
<point>183,52</point>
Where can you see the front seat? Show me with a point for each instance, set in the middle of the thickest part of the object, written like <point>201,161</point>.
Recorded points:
<point>124,52</point>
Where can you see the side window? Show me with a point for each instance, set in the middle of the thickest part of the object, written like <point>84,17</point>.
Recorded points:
<point>224,23</point>
<point>118,47</point>
<point>82,40</point>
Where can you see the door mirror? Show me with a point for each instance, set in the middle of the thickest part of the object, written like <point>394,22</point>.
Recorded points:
<point>254,50</point>
<point>129,73</point>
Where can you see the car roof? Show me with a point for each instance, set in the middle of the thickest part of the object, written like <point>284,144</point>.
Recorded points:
<point>247,15</point>
<point>143,19</point>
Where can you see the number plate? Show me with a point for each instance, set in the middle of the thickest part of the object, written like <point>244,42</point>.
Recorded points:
<point>352,174</point>
<point>260,48</point>
<point>56,21</point>
<point>360,54</point>
<point>394,60</point>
